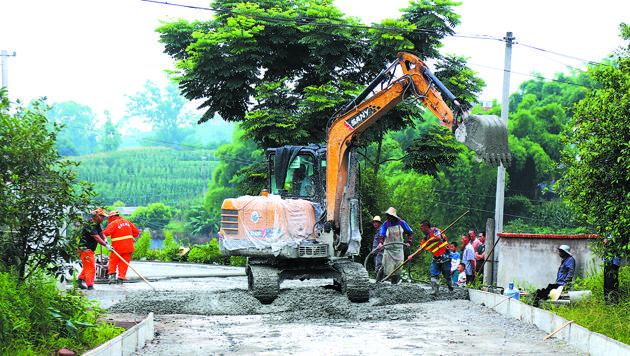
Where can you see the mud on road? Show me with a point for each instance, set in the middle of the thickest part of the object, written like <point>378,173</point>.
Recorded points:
<point>311,318</point>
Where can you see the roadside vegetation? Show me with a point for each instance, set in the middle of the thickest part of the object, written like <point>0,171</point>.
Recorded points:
<point>39,319</point>
<point>41,200</point>
<point>592,312</point>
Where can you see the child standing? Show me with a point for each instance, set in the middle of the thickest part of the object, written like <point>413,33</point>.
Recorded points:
<point>461,279</point>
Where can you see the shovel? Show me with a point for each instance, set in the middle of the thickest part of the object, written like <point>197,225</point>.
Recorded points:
<point>127,263</point>
<point>419,251</point>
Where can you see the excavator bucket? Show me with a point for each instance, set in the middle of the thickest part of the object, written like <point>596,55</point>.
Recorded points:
<point>487,136</point>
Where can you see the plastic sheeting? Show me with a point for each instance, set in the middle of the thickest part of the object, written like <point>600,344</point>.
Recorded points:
<point>268,222</point>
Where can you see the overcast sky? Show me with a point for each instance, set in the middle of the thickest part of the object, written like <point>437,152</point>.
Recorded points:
<point>95,52</point>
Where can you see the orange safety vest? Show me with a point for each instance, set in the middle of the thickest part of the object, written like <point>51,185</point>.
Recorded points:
<point>122,232</point>
<point>437,248</point>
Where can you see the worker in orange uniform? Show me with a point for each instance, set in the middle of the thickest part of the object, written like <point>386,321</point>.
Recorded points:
<point>91,236</point>
<point>123,233</point>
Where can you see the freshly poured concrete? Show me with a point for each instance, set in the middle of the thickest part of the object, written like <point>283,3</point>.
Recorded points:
<point>216,315</point>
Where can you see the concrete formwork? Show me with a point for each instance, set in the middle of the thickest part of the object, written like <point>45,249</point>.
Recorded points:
<point>128,342</point>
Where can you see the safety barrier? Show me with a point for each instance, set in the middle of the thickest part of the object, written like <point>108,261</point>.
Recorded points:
<point>591,342</point>
<point>128,342</point>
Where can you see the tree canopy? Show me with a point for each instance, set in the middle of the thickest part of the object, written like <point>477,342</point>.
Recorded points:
<point>165,111</point>
<point>41,197</point>
<point>78,135</point>
<point>596,180</point>
<point>284,68</point>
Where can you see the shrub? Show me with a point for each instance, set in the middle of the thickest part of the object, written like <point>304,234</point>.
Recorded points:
<point>38,317</point>
<point>209,253</point>
<point>240,261</point>
<point>143,245</point>
<point>155,255</point>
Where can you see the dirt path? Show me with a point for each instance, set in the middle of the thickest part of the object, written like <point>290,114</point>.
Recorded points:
<point>308,318</point>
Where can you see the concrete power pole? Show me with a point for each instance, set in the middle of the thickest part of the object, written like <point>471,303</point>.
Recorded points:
<point>505,105</point>
<point>205,186</point>
<point>498,210</point>
<point>5,70</point>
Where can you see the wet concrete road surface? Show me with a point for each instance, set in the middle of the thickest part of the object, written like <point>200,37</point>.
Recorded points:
<point>215,315</point>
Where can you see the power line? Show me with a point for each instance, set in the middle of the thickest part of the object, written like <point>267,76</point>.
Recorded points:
<point>306,20</point>
<point>527,218</point>
<point>559,54</point>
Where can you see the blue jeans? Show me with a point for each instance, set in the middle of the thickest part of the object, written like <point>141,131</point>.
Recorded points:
<point>443,267</point>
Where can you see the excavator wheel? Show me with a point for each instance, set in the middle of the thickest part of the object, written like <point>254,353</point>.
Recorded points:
<point>263,282</point>
<point>354,281</point>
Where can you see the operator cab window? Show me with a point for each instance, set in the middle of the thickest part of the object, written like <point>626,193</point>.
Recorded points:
<point>300,177</point>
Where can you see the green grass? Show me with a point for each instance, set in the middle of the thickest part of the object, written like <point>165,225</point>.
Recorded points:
<point>594,314</point>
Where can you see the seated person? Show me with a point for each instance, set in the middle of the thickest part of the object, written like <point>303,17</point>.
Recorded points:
<point>566,272</point>
<point>307,188</point>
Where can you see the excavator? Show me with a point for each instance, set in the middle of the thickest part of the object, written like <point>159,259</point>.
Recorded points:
<point>306,224</point>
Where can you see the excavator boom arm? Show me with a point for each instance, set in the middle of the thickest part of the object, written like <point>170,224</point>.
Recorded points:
<point>416,80</point>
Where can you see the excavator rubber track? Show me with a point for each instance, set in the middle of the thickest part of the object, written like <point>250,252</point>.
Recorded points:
<point>354,280</point>
<point>263,282</point>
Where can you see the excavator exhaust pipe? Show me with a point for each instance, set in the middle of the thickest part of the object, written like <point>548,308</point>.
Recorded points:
<point>487,136</point>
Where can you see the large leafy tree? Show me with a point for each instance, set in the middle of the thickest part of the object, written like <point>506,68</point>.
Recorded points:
<point>284,68</point>
<point>79,133</point>
<point>163,109</point>
<point>597,180</point>
<point>110,138</point>
<point>41,197</point>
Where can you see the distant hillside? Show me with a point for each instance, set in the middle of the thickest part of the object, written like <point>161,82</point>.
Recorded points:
<point>139,176</point>
<point>214,131</point>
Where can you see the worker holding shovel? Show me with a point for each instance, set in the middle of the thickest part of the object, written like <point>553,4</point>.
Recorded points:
<point>91,236</point>
<point>435,242</point>
<point>123,233</point>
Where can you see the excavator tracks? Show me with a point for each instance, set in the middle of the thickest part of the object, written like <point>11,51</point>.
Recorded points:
<point>263,282</point>
<point>354,281</point>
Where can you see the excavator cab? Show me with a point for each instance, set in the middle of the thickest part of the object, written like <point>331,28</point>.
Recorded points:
<point>298,172</point>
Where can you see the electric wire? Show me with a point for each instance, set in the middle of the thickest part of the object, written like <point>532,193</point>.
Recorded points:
<point>312,21</point>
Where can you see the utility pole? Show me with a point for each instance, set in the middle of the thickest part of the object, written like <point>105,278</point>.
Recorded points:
<point>505,106</point>
<point>205,186</point>
<point>5,79</point>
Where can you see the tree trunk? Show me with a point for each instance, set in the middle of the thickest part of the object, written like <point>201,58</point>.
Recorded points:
<point>377,159</point>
